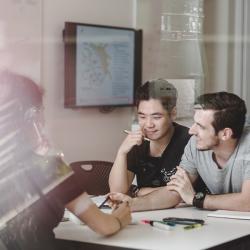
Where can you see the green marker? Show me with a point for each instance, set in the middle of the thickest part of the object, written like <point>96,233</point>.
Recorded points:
<point>192,226</point>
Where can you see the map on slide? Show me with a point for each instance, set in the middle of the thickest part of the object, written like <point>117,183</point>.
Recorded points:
<point>95,64</point>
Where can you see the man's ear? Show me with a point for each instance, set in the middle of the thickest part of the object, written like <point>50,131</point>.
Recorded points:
<point>173,113</point>
<point>226,134</point>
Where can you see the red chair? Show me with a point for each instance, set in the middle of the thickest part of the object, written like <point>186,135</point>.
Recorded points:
<point>93,175</point>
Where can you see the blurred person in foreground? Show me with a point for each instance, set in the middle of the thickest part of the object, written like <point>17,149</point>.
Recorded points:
<point>35,184</point>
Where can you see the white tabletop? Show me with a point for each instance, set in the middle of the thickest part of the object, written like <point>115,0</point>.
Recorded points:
<point>216,231</point>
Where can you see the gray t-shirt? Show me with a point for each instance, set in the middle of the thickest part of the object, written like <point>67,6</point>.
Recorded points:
<point>219,181</point>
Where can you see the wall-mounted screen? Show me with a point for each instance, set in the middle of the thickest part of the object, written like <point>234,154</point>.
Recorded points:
<point>102,65</point>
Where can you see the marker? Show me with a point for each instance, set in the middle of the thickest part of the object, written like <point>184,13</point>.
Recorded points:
<point>192,226</point>
<point>183,221</point>
<point>127,132</point>
<point>103,203</point>
<point>159,224</point>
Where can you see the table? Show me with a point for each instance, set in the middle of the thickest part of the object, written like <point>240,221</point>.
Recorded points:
<point>215,232</point>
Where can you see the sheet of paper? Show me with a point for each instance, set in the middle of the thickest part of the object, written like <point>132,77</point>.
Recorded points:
<point>68,216</point>
<point>98,199</point>
<point>230,214</point>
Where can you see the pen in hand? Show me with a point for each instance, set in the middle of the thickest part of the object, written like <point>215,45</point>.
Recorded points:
<point>145,138</point>
<point>103,203</point>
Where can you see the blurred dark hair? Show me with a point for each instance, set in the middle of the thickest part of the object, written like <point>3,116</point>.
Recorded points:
<point>230,111</point>
<point>20,89</point>
<point>159,89</point>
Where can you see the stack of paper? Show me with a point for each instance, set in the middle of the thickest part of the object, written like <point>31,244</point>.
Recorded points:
<point>230,214</point>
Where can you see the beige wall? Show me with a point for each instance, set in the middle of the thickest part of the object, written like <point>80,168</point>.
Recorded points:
<point>88,134</point>
<point>20,47</point>
<point>84,134</point>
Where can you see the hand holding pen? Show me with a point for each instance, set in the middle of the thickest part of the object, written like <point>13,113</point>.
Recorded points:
<point>103,204</point>
<point>117,198</point>
<point>114,200</point>
<point>123,214</point>
<point>135,127</point>
<point>127,132</point>
<point>132,139</point>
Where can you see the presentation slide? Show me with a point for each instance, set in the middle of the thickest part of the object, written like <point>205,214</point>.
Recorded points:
<point>104,66</point>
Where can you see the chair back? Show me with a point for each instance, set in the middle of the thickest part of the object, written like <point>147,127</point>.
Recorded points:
<point>93,176</point>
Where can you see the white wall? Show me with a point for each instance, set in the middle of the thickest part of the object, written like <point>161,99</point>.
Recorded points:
<point>84,134</point>
<point>246,56</point>
<point>224,38</point>
<point>88,134</point>
<point>227,42</point>
<point>20,36</point>
<point>216,44</point>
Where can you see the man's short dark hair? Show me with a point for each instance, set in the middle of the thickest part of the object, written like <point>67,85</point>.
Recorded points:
<point>159,89</point>
<point>230,111</point>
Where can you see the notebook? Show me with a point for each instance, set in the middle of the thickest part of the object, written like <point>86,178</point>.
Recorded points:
<point>230,214</point>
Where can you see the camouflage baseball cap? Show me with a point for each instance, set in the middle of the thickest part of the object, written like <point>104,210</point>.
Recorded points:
<point>162,88</point>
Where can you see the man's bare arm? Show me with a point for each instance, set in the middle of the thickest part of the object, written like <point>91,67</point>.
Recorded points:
<point>182,183</point>
<point>120,178</point>
<point>233,201</point>
<point>102,223</point>
<point>158,199</point>
<point>146,190</point>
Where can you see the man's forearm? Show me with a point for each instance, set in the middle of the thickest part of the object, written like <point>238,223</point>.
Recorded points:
<point>146,190</point>
<point>118,178</point>
<point>158,199</point>
<point>233,201</point>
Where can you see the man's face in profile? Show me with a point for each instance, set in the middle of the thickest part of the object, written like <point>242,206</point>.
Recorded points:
<point>203,130</point>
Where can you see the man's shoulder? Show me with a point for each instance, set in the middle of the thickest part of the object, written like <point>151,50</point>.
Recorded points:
<point>192,142</point>
<point>245,137</point>
<point>246,130</point>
